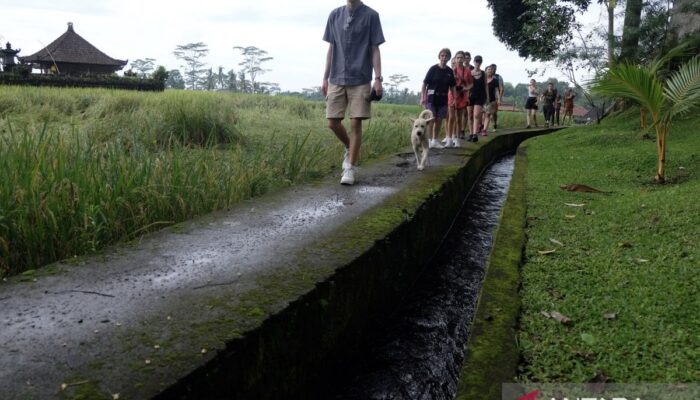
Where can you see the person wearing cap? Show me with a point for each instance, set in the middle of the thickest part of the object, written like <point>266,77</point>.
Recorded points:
<point>439,80</point>
<point>354,33</point>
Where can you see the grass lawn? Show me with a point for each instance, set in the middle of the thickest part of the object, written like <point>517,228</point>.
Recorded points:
<point>626,265</point>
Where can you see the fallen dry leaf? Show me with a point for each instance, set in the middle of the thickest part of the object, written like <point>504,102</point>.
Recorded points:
<point>204,351</point>
<point>577,187</point>
<point>599,377</point>
<point>625,243</point>
<point>610,316</point>
<point>560,318</point>
<point>555,293</point>
<point>557,316</point>
<point>147,361</point>
<point>641,260</point>
<point>570,216</point>
<point>555,241</point>
<point>575,205</point>
<point>115,396</point>
<point>65,386</point>
<point>546,252</point>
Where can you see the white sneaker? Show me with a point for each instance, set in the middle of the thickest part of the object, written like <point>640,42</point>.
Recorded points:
<point>456,143</point>
<point>435,145</point>
<point>448,143</point>
<point>444,140</point>
<point>348,177</point>
<point>346,159</point>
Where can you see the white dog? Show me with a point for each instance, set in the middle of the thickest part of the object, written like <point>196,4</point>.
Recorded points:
<point>419,137</point>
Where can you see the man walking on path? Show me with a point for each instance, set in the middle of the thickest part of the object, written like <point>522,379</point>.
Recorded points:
<point>354,34</point>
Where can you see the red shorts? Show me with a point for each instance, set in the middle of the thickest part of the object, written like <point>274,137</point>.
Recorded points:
<point>462,100</point>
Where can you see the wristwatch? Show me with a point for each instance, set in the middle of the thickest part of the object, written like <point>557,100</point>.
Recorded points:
<point>379,78</point>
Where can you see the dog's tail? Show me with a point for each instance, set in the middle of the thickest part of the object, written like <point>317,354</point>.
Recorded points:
<point>426,114</point>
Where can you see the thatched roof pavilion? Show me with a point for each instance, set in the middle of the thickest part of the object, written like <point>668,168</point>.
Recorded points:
<point>71,54</point>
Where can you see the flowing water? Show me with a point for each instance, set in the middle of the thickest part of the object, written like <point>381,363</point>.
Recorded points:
<point>417,353</point>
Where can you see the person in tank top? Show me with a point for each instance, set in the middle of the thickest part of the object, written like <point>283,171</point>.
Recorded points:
<point>493,95</point>
<point>531,103</point>
<point>458,103</point>
<point>477,98</point>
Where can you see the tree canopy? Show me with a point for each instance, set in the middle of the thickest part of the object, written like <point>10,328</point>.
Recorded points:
<point>536,28</point>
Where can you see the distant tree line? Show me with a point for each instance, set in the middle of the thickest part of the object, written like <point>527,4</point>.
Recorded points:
<point>195,74</point>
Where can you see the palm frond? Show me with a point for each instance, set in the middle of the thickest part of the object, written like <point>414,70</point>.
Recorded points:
<point>681,50</point>
<point>683,87</point>
<point>633,83</point>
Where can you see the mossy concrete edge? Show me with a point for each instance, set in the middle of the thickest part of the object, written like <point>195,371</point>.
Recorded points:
<point>360,275</point>
<point>492,354</point>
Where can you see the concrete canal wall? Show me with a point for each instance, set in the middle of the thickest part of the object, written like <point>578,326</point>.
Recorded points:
<point>247,303</point>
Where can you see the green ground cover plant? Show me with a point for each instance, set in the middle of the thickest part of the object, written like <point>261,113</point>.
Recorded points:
<point>84,168</point>
<point>610,280</point>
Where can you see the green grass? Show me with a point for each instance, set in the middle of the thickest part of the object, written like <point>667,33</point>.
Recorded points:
<point>85,168</point>
<point>634,252</point>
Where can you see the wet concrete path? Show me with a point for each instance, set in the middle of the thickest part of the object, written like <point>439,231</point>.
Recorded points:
<point>418,352</point>
<point>121,321</point>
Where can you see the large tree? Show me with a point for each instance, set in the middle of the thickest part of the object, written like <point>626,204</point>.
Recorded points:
<point>175,80</point>
<point>144,67</point>
<point>191,54</point>
<point>685,23</point>
<point>630,31</point>
<point>253,58</point>
<point>536,28</point>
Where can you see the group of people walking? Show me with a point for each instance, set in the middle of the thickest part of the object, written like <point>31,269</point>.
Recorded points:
<point>464,95</point>
<point>551,104</point>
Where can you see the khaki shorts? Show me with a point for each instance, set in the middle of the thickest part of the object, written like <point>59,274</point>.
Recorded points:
<point>339,98</point>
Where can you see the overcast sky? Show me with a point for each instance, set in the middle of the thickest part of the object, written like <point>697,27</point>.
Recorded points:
<point>290,31</point>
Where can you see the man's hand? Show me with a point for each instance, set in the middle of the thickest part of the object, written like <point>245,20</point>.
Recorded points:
<point>378,87</point>
<point>324,87</point>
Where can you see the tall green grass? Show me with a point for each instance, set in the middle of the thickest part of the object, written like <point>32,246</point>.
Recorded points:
<point>84,168</point>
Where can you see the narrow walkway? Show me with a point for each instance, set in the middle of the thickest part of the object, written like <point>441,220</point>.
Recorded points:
<point>136,318</point>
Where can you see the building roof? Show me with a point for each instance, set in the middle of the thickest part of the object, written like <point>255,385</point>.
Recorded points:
<point>72,48</point>
<point>580,111</point>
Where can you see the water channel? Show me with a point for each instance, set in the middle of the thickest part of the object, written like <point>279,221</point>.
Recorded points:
<point>417,353</point>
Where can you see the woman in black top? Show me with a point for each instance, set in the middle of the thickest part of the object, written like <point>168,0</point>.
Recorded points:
<point>439,80</point>
<point>478,97</point>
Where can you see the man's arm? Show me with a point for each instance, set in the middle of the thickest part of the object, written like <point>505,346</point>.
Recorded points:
<point>377,65</point>
<point>327,70</point>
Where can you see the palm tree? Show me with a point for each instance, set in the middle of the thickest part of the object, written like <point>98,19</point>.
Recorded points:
<point>663,100</point>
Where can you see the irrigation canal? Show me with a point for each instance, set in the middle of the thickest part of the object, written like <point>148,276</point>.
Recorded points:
<point>417,353</point>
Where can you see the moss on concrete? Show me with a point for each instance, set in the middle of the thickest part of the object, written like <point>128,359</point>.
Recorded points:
<point>319,305</point>
<point>492,354</point>
<point>270,340</point>
<point>82,389</point>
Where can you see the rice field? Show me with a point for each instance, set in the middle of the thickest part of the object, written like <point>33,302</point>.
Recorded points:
<point>85,168</point>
